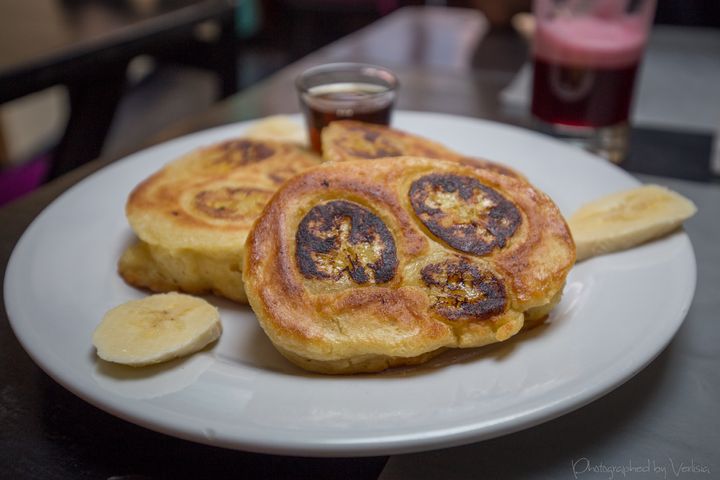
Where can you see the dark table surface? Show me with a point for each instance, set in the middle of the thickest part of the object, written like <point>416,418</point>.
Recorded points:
<point>49,433</point>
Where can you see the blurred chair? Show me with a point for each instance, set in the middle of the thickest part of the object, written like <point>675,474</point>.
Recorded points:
<point>86,46</point>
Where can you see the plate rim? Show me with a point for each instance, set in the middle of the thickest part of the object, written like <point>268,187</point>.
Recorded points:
<point>387,444</point>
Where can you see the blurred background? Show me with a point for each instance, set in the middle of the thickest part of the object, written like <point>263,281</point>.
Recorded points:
<point>174,58</point>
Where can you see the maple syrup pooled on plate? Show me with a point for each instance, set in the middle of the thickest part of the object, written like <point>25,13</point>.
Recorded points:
<point>345,91</point>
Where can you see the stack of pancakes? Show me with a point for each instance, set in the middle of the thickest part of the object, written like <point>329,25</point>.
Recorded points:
<point>392,250</point>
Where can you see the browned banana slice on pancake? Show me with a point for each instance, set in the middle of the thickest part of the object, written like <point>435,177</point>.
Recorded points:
<point>357,266</point>
<point>352,140</point>
<point>193,216</point>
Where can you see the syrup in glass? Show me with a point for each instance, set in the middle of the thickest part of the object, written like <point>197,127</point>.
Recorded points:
<point>365,102</point>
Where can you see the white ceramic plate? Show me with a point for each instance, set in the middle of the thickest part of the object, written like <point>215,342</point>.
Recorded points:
<point>617,314</point>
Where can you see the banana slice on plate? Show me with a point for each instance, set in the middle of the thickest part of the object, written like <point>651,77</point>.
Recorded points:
<point>156,328</point>
<point>280,128</point>
<point>626,219</point>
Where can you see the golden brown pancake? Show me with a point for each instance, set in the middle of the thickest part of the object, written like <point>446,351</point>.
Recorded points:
<point>193,216</point>
<point>352,140</point>
<point>358,266</point>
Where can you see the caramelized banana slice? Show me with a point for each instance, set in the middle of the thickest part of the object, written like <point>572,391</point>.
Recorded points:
<point>461,290</point>
<point>464,213</point>
<point>341,238</point>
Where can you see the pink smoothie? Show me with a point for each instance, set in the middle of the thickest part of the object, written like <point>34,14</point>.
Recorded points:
<point>591,41</point>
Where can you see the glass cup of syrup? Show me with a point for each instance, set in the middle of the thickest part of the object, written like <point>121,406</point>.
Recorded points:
<point>345,91</point>
<point>586,56</point>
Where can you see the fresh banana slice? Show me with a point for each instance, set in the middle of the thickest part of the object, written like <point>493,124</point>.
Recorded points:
<point>156,328</point>
<point>626,219</point>
<point>280,128</point>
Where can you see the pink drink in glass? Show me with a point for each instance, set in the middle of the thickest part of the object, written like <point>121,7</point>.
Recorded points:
<point>585,71</point>
<point>586,61</point>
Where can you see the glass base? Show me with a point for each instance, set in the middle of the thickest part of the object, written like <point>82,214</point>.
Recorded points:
<point>610,142</point>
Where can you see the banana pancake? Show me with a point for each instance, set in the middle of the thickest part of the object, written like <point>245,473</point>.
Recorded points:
<point>358,266</point>
<point>192,217</point>
<point>352,140</point>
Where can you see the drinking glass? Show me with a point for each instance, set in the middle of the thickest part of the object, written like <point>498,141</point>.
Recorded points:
<point>586,55</point>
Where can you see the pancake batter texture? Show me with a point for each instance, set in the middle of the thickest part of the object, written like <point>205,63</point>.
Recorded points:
<point>357,266</point>
<point>351,140</point>
<point>192,217</point>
